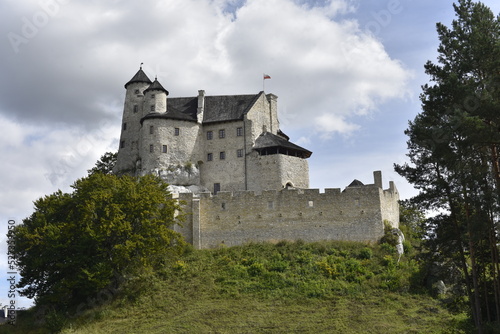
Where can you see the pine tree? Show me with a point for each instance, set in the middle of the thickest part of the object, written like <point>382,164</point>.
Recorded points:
<point>453,145</point>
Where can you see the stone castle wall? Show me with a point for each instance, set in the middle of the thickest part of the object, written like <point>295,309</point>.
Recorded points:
<point>128,152</point>
<point>276,171</point>
<point>230,171</point>
<point>180,149</point>
<point>355,214</point>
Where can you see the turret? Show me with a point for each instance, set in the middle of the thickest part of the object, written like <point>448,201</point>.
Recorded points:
<point>128,151</point>
<point>155,98</point>
<point>135,92</point>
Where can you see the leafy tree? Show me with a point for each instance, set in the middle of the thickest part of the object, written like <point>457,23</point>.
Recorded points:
<point>453,148</point>
<point>105,164</point>
<point>109,228</point>
<point>412,220</point>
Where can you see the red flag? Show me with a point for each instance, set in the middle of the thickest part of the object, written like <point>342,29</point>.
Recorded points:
<point>267,76</point>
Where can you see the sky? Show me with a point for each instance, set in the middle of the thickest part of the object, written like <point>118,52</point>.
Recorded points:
<point>347,73</point>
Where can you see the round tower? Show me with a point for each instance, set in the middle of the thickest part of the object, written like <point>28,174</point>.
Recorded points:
<point>133,109</point>
<point>155,98</point>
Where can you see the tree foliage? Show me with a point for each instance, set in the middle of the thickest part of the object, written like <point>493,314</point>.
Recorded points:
<point>76,244</point>
<point>453,148</point>
<point>105,164</point>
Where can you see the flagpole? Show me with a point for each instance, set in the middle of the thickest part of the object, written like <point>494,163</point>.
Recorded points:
<point>264,77</point>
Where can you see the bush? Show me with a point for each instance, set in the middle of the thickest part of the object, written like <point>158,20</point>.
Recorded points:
<point>256,269</point>
<point>365,254</point>
<point>389,237</point>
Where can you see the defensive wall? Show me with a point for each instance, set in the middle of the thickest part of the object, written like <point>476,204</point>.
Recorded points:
<point>232,218</point>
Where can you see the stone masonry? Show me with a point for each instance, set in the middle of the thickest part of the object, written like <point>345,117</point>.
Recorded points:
<point>251,183</point>
<point>357,213</point>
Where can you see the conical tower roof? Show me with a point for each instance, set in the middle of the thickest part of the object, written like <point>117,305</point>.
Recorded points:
<point>156,85</point>
<point>140,76</point>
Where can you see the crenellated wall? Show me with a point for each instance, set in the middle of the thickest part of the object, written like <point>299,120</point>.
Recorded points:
<point>234,145</point>
<point>355,214</point>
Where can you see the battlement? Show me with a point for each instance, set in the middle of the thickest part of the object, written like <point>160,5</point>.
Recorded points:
<point>357,213</point>
<point>328,192</point>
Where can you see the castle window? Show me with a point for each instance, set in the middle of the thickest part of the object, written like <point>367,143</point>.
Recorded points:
<point>124,126</point>
<point>137,91</point>
<point>216,188</point>
<point>210,135</point>
<point>136,108</point>
<point>222,133</point>
<point>222,155</point>
<point>152,108</point>
<point>122,144</point>
<point>152,96</point>
<point>239,153</point>
<point>239,132</point>
<point>210,157</point>
<point>164,148</point>
<point>150,129</point>
<point>223,206</point>
<point>177,131</point>
<point>310,204</point>
<point>151,148</point>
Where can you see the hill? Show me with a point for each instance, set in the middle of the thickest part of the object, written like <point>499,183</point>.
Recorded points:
<point>326,287</point>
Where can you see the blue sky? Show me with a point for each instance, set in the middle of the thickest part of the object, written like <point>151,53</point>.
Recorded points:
<point>347,74</point>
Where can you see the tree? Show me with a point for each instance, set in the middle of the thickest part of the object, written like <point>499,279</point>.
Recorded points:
<point>453,146</point>
<point>109,228</point>
<point>105,164</point>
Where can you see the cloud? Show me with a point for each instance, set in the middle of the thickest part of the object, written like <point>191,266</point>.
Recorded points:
<point>328,123</point>
<point>324,69</point>
<point>72,70</point>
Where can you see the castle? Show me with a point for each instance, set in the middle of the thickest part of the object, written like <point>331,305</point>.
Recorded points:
<point>247,181</point>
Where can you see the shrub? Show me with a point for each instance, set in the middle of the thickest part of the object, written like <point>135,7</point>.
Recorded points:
<point>365,254</point>
<point>256,269</point>
<point>389,237</point>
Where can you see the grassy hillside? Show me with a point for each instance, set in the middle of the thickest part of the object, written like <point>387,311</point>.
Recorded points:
<point>327,287</point>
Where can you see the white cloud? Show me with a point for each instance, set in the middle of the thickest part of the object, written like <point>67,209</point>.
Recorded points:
<point>328,123</point>
<point>320,65</point>
<point>326,69</point>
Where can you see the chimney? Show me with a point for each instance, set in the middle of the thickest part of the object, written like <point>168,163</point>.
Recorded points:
<point>201,105</point>
<point>377,176</point>
<point>273,113</point>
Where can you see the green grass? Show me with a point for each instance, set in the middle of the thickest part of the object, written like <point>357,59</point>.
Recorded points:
<point>327,287</point>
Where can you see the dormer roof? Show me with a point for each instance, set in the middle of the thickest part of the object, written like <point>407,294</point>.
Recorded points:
<point>156,85</point>
<point>140,76</point>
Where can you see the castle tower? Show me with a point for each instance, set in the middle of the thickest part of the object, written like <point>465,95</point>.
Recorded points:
<point>133,111</point>
<point>155,98</point>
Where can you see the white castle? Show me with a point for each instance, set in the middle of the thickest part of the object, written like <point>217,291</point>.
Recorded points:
<point>247,181</point>
<point>214,143</point>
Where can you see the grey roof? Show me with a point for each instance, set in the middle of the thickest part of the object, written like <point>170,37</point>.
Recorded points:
<point>140,76</point>
<point>172,113</point>
<point>227,108</point>
<point>356,183</point>
<point>156,86</point>
<point>268,142</point>
<point>217,108</point>
<point>282,134</point>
